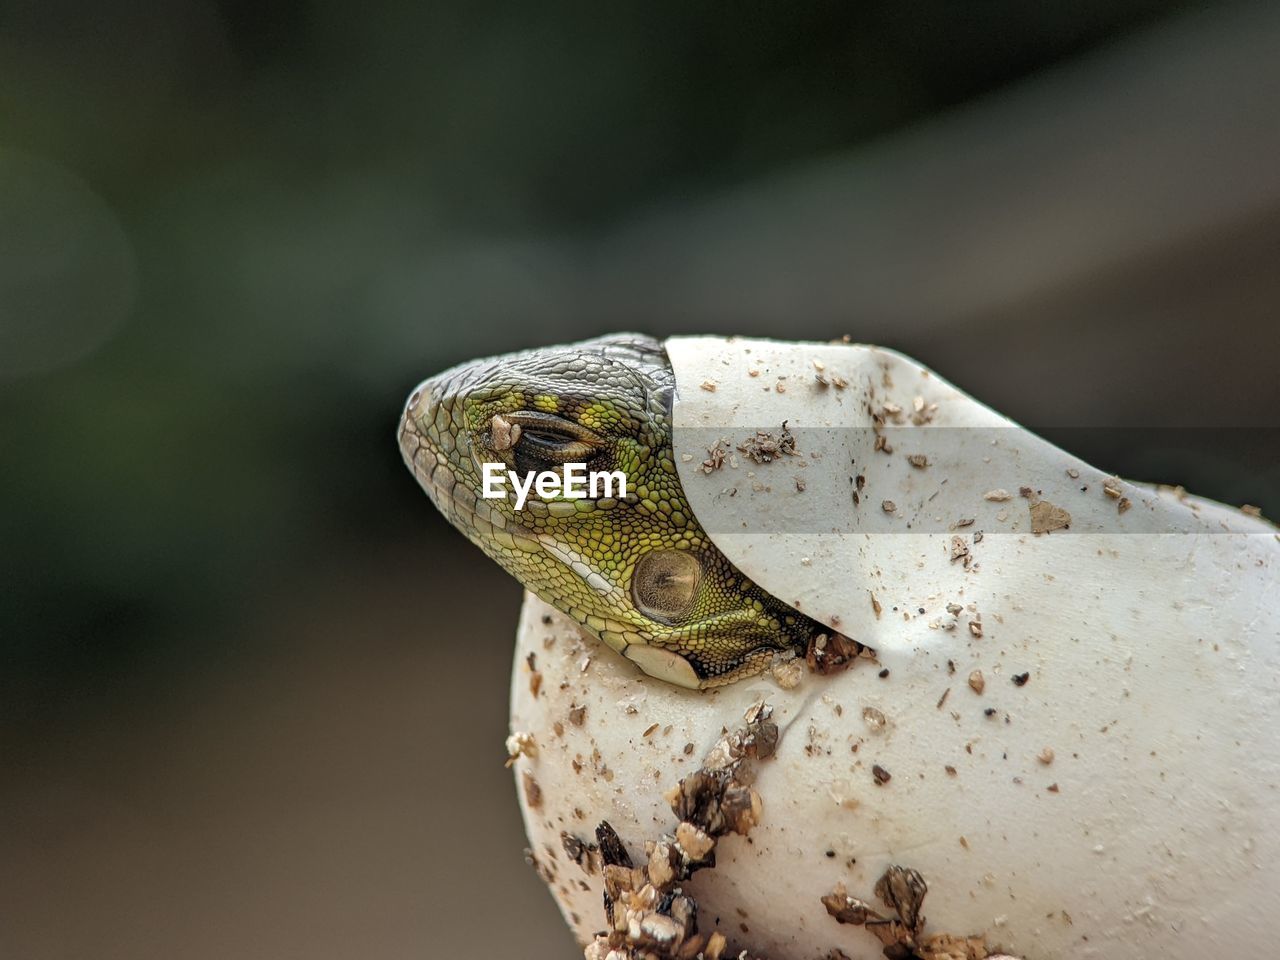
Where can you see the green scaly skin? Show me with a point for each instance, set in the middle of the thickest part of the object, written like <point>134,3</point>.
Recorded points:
<point>639,572</point>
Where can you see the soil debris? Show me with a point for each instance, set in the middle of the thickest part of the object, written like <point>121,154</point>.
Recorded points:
<point>763,447</point>
<point>521,744</point>
<point>787,670</point>
<point>715,458</point>
<point>902,891</point>
<point>921,412</point>
<point>901,931</point>
<point>532,791</point>
<point>586,855</point>
<point>649,915</point>
<point>944,946</point>
<point>830,653</point>
<point>1046,517</point>
<point>874,718</point>
<point>503,434</point>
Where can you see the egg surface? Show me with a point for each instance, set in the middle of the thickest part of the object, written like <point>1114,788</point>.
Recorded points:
<point>1069,727</point>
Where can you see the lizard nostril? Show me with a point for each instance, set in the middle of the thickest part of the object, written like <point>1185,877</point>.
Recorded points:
<point>423,405</point>
<point>415,421</point>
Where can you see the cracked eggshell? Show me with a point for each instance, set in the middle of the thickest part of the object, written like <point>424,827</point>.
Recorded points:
<point>1079,726</point>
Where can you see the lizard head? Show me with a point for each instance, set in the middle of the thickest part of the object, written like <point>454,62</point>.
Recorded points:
<point>635,570</point>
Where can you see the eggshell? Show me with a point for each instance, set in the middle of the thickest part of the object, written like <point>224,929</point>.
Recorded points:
<point>1078,726</point>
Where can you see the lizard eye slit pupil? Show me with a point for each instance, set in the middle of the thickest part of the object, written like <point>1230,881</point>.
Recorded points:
<point>546,437</point>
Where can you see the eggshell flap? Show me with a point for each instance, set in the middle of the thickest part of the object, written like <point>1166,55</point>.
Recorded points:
<point>902,489</point>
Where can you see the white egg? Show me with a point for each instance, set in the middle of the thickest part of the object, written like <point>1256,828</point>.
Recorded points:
<point>1070,727</point>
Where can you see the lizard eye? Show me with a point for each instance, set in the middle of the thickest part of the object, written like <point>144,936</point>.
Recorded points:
<point>541,441</point>
<point>554,444</point>
<point>665,584</point>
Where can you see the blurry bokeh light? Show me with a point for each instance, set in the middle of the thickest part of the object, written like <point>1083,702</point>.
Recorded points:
<point>67,270</point>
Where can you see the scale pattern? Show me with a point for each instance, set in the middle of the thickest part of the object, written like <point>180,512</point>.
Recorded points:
<point>608,402</point>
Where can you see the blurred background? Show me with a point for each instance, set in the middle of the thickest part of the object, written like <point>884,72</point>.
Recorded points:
<point>252,689</point>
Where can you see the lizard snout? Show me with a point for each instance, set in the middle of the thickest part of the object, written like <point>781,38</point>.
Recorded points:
<point>418,422</point>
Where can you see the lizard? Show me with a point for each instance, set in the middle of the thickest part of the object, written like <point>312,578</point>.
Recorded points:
<point>637,572</point>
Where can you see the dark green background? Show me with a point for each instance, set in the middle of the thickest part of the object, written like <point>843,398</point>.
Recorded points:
<point>252,689</point>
